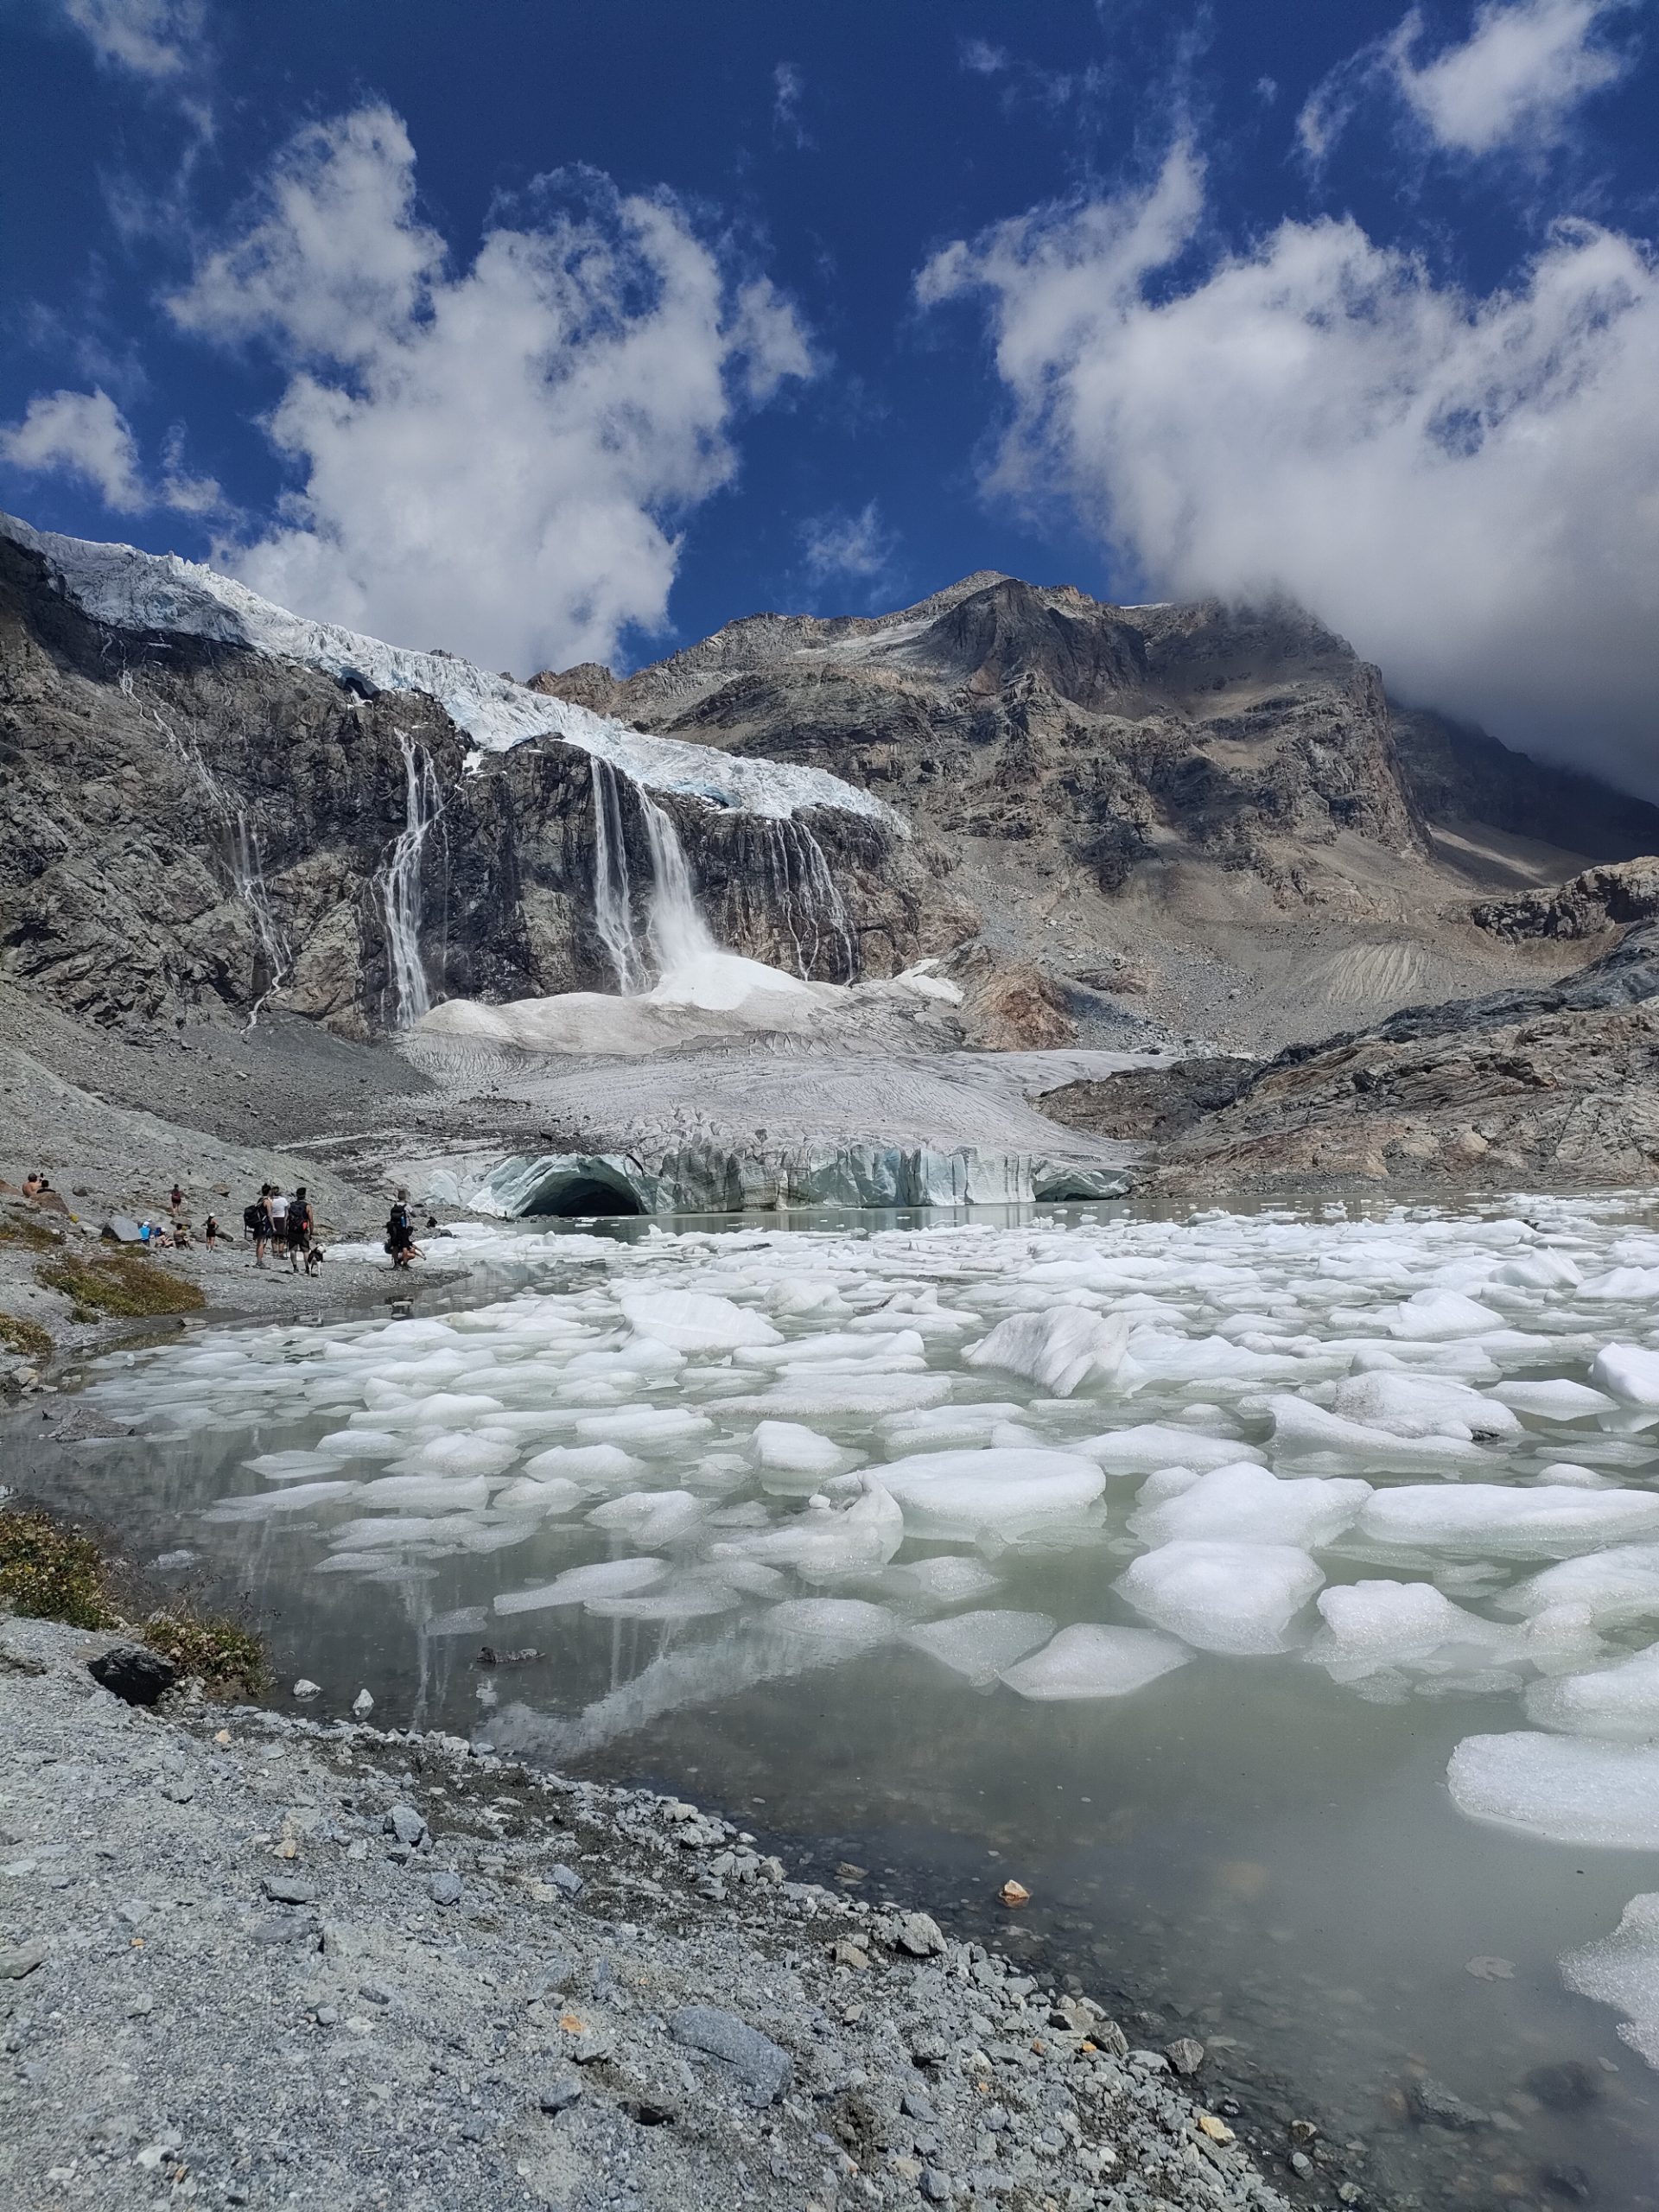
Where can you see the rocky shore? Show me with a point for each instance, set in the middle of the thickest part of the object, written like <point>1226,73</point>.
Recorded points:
<point>254,1960</point>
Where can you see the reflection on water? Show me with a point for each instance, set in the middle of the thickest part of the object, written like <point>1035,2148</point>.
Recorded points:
<point>1250,1849</point>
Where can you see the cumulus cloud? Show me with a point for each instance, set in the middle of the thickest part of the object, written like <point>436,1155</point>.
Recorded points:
<point>1467,485</point>
<point>85,435</point>
<point>859,546</point>
<point>156,38</point>
<point>1517,78</point>
<point>493,455</point>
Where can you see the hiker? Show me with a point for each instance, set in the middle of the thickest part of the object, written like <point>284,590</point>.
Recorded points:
<point>278,1212</point>
<point>257,1222</point>
<point>400,1236</point>
<point>210,1234</point>
<point>300,1225</point>
<point>34,1183</point>
<point>177,1198</point>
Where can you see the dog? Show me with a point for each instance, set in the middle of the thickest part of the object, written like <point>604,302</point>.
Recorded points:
<point>314,1258</point>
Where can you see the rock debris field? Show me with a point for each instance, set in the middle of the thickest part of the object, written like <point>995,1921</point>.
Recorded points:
<point>247,1960</point>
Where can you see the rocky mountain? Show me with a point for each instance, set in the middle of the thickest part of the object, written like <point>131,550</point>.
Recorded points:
<point>195,819</point>
<point>1216,807</point>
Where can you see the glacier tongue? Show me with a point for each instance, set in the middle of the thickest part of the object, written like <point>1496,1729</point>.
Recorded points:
<point>132,590</point>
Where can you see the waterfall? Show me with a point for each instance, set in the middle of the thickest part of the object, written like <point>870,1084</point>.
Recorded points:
<point>612,892</point>
<point>248,874</point>
<point>805,897</point>
<point>679,936</point>
<point>399,885</point>
<point>800,892</point>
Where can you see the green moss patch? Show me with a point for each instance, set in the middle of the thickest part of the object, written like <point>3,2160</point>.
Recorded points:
<point>50,1571</point>
<point>28,1338</point>
<point>224,1656</point>
<point>34,1235</point>
<point>125,1284</point>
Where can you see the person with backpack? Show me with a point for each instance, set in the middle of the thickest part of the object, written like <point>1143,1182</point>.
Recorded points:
<point>400,1234</point>
<point>301,1224</point>
<point>256,1219</point>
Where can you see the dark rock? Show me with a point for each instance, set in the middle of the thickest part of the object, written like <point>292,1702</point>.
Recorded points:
<point>131,1673</point>
<point>763,2066</point>
<point>561,2092</point>
<point>1568,2085</point>
<point>1431,2101</point>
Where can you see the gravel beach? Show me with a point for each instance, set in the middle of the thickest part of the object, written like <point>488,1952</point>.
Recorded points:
<point>250,1960</point>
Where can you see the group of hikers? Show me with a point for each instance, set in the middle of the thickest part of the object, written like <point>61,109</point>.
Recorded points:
<point>279,1222</point>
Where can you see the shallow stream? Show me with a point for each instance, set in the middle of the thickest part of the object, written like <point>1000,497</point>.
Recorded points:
<point>1348,1761</point>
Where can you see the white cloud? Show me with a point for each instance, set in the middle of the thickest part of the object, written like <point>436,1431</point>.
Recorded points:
<point>842,544</point>
<point>1467,485</point>
<point>1516,80</point>
<point>85,435</point>
<point>493,455</point>
<point>153,38</point>
<point>787,86</point>
<point>980,59</point>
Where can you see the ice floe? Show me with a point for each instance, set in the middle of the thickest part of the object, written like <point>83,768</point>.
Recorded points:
<point>1090,1661</point>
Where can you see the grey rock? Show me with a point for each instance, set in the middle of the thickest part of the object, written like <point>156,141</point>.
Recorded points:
<point>764,2068</point>
<point>1432,2102</point>
<point>920,1934</point>
<point>15,1965</point>
<point>375,1991</point>
<point>306,1688</point>
<point>362,1704</point>
<point>283,1889</point>
<point>565,1878</point>
<point>592,2046</point>
<point>561,2092</point>
<point>1185,2054</point>
<point>132,1674</point>
<point>297,1928</point>
<point>935,2186</point>
<point>444,1888</point>
<point>915,2106</point>
<point>407,1825</point>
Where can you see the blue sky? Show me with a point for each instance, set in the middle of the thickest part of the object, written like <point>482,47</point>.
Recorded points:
<point>548,331</point>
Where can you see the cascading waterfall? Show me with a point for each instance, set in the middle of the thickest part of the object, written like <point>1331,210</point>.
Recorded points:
<point>247,865</point>
<point>800,891</point>
<point>803,893</point>
<point>613,891</point>
<point>399,885</point>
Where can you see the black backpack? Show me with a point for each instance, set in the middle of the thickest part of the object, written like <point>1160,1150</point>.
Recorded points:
<point>251,1220</point>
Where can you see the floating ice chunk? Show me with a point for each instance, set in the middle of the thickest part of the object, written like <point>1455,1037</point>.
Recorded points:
<point>1569,1472</point>
<point>291,1466</point>
<point>1369,1625</point>
<point>1554,1401</point>
<point>1145,1450</point>
<point>1087,1660</point>
<point>794,1449</point>
<point>1237,1598</point>
<point>1059,1348</point>
<point>691,1321</point>
<point>811,1397</point>
<point>1622,1970</point>
<point>944,1425</point>
<point>1006,1492</point>
<point>425,1493</point>
<point>752,1576</point>
<point>651,1428</point>
<point>650,1517</point>
<point>822,1546</point>
<point>807,1294</point>
<point>1628,1373</point>
<point>299,1497</point>
<point>845,1351</point>
<point>1617,1587</point>
<point>454,1410</point>
<point>548,1498</point>
<point>692,1597</point>
<point>1421,1405</point>
<point>585,1463</point>
<point>980,1645</point>
<point>1244,1503</point>
<point>1620,1702</point>
<point>1624,1283</point>
<point>600,1578</point>
<point>1540,1271</point>
<point>376,1533</point>
<point>836,1624</point>
<point>945,1579</point>
<point>1566,1788</point>
<point>1305,1435</point>
<point>1545,1524</point>
<point>361,1443</point>
<point>1435,1315</point>
<point>452,1454</point>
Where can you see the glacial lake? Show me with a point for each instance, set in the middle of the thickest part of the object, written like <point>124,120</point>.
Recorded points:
<point>1348,1765</point>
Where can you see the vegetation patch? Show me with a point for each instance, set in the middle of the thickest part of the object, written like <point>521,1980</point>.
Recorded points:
<point>33,1236</point>
<point>50,1571</point>
<point>28,1338</point>
<point>126,1285</point>
<point>224,1656</point>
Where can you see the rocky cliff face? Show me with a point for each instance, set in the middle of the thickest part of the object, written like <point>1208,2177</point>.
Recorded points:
<point>190,824</point>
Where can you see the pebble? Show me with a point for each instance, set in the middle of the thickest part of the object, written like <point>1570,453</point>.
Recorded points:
<point>444,1888</point>
<point>306,1688</point>
<point>281,1888</point>
<point>362,1704</point>
<point>375,1991</point>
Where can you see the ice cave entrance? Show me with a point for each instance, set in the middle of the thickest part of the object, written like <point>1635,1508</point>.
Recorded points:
<point>573,1195</point>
